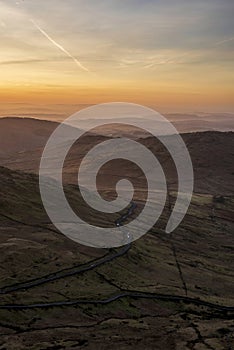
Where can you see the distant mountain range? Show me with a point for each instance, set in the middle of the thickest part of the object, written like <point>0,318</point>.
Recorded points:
<point>184,122</point>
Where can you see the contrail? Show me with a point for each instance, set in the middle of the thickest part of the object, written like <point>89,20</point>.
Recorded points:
<point>224,41</point>
<point>59,46</point>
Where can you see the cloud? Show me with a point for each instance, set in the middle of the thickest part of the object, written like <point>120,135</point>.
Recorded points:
<point>26,61</point>
<point>224,41</point>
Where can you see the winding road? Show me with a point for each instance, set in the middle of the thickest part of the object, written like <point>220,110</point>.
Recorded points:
<point>75,270</point>
<point>92,265</point>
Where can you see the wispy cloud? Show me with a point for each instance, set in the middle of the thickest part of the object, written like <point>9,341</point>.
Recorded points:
<point>224,41</point>
<point>168,60</point>
<point>26,61</point>
<point>60,47</point>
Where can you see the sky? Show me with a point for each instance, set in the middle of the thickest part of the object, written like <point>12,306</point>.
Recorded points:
<point>172,55</point>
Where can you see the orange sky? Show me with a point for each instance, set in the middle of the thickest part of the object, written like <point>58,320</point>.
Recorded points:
<point>171,57</point>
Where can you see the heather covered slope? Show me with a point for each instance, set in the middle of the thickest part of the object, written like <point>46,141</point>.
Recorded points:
<point>212,154</point>
<point>23,134</point>
<point>197,260</point>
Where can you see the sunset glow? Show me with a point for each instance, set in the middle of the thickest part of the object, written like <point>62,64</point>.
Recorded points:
<point>171,55</point>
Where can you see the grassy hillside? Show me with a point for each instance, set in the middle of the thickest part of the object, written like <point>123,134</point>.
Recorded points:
<point>211,153</point>
<point>199,256</point>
